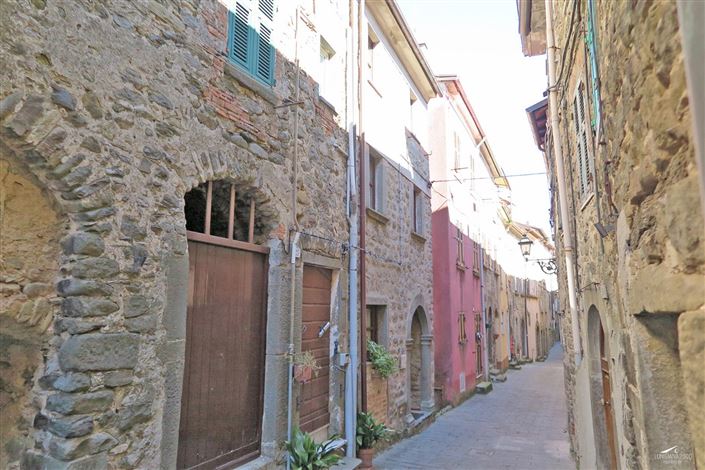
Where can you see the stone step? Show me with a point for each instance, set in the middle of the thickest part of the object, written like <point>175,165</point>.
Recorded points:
<point>499,377</point>
<point>484,387</point>
<point>515,366</point>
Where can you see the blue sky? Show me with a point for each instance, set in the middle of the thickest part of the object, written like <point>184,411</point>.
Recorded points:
<point>479,41</point>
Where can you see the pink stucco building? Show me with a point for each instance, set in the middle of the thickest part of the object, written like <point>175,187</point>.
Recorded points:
<point>458,348</point>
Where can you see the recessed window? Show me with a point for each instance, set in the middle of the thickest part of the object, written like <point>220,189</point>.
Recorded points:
<point>418,210</point>
<point>376,324</point>
<point>460,261</point>
<point>250,27</point>
<point>375,187</point>
<point>462,332</point>
<point>372,42</point>
<point>218,209</point>
<point>327,78</point>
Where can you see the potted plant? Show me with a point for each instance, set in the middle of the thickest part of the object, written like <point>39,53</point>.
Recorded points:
<point>382,360</point>
<point>305,366</point>
<point>369,432</point>
<point>306,454</point>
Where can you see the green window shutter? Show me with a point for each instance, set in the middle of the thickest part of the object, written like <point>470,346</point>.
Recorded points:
<point>264,66</point>
<point>240,36</point>
<point>250,38</point>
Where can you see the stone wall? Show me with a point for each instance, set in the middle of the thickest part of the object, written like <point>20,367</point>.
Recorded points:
<point>116,112</point>
<point>650,268</point>
<point>399,275</point>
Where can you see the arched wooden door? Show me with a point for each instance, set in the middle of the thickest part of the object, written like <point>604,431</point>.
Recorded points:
<point>607,400</point>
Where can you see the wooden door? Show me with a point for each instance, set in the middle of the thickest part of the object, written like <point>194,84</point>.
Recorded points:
<point>607,401</point>
<point>313,401</point>
<point>221,403</point>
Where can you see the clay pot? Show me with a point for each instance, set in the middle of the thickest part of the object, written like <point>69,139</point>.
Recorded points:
<point>302,374</point>
<point>366,455</point>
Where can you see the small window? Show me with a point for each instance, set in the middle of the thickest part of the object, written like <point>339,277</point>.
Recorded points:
<point>456,152</point>
<point>327,77</point>
<point>372,41</point>
<point>376,324</point>
<point>375,192</point>
<point>582,150</point>
<point>460,261</point>
<point>217,209</point>
<point>418,211</point>
<point>250,27</point>
<point>412,101</point>
<point>462,332</point>
<point>476,258</point>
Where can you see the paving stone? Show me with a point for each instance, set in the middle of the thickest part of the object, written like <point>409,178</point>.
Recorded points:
<point>520,425</point>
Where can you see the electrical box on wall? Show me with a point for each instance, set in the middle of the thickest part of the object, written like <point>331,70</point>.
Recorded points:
<point>343,359</point>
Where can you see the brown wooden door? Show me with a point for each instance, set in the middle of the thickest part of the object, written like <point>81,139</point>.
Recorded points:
<point>221,404</point>
<point>607,401</point>
<point>313,410</point>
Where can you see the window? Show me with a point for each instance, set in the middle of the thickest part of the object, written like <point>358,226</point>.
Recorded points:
<point>375,190</point>
<point>456,152</point>
<point>327,78</point>
<point>581,141</point>
<point>219,209</point>
<point>462,333</point>
<point>418,211</point>
<point>249,38</point>
<point>478,344</point>
<point>376,329</point>
<point>372,42</point>
<point>461,250</point>
<point>476,258</point>
<point>412,101</point>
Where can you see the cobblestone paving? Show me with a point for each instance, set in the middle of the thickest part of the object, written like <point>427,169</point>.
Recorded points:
<point>521,424</point>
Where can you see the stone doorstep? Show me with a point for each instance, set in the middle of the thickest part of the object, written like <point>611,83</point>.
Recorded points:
<point>260,463</point>
<point>347,463</point>
<point>484,387</point>
<point>499,378</point>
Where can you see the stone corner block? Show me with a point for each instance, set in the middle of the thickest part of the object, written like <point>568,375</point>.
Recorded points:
<point>99,351</point>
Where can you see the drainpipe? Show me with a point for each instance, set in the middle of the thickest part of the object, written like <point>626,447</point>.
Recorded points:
<point>362,49</point>
<point>351,371</point>
<point>485,372</point>
<point>294,239</point>
<point>562,190</point>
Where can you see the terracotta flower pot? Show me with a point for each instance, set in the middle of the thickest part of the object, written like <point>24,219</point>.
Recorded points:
<point>302,374</point>
<point>366,455</point>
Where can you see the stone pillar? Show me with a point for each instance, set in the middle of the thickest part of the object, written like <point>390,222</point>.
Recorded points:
<point>426,373</point>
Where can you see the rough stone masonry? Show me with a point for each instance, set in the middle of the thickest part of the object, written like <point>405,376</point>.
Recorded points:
<point>109,114</point>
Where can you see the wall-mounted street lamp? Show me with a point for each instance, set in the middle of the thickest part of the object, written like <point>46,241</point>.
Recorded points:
<point>547,265</point>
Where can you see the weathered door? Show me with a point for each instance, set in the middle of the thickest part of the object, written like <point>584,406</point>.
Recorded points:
<point>606,399</point>
<point>221,404</point>
<point>313,409</point>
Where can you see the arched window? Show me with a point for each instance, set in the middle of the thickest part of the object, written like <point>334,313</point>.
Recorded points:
<point>221,209</point>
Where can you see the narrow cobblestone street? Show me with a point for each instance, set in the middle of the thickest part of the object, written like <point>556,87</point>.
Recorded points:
<point>521,424</point>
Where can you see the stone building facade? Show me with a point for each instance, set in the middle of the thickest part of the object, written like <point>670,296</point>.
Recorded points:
<point>634,374</point>
<point>110,115</point>
<point>397,87</point>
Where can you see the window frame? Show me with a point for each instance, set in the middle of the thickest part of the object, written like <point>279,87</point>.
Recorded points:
<point>417,210</point>
<point>257,21</point>
<point>582,132</point>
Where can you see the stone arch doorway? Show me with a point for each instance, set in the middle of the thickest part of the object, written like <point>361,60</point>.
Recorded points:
<point>600,391</point>
<point>223,380</point>
<point>419,352</point>
<point>30,230</point>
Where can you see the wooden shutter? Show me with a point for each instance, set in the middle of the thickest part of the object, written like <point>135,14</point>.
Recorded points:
<point>240,38</point>
<point>581,143</point>
<point>263,67</point>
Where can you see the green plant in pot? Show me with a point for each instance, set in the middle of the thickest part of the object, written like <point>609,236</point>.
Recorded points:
<point>305,366</point>
<point>369,432</point>
<point>382,360</point>
<point>306,454</point>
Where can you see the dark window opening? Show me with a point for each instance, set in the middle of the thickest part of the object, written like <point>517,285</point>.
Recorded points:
<point>220,209</point>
